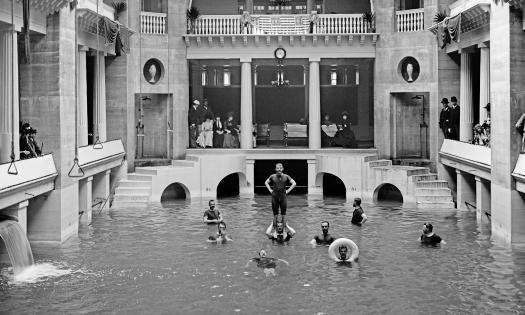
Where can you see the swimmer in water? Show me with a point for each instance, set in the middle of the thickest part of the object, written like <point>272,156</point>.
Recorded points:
<point>325,238</point>
<point>278,234</point>
<point>267,263</point>
<point>358,216</point>
<point>276,185</point>
<point>428,237</point>
<point>221,234</point>
<point>343,255</point>
<point>212,215</point>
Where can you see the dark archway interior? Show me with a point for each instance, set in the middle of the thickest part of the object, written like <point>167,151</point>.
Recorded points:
<point>297,169</point>
<point>229,186</point>
<point>333,186</point>
<point>174,191</point>
<point>389,192</point>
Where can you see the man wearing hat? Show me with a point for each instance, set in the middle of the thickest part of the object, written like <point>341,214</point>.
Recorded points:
<point>194,122</point>
<point>444,118</point>
<point>454,119</point>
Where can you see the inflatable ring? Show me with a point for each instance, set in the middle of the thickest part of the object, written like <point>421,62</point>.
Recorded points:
<point>333,250</point>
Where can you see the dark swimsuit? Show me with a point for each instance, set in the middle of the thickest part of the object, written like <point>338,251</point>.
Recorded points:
<point>265,262</point>
<point>279,193</point>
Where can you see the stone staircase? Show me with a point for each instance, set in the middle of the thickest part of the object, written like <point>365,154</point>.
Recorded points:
<point>417,184</point>
<point>137,186</point>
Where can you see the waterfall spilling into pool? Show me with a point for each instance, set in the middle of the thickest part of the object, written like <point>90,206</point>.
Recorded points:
<point>17,245</point>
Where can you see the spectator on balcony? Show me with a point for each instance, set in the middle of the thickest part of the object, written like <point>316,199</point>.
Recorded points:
<point>205,139</point>
<point>486,125</point>
<point>444,119</point>
<point>218,133</point>
<point>345,136</point>
<point>32,134</point>
<point>479,135</point>
<point>454,119</point>
<point>205,111</point>
<point>231,135</point>
<point>326,139</point>
<point>520,125</point>
<point>193,123</point>
<point>27,149</point>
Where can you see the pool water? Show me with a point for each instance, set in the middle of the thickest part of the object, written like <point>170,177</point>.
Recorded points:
<point>155,260</point>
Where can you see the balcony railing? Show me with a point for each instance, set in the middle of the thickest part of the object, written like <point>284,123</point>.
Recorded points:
<point>153,23</point>
<point>410,20</point>
<point>281,24</point>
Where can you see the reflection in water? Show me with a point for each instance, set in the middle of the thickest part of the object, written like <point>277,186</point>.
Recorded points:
<point>156,260</point>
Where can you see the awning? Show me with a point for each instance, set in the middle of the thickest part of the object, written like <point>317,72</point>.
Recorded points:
<point>452,27</point>
<point>48,6</point>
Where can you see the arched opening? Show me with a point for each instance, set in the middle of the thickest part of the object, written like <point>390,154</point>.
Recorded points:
<point>388,192</point>
<point>333,186</point>
<point>175,191</point>
<point>228,186</point>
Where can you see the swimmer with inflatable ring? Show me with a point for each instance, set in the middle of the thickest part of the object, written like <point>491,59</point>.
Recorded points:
<point>279,234</point>
<point>221,237</point>
<point>267,263</point>
<point>325,238</point>
<point>338,251</point>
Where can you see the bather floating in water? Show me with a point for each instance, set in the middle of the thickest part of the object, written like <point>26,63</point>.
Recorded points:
<point>267,263</point>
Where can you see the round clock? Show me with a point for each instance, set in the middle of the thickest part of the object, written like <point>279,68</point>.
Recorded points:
<point>280,53</point>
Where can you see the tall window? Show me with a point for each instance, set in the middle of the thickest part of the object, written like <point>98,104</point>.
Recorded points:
<point>158,6</point>
<point>411,4</point>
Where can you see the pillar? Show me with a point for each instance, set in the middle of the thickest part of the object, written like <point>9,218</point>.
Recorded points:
<point>82,111</point>
<point>9,102</point>
<point>310,6</point>
<point>482,197</point>
<point>246,104</point>
<point>314,108</point>
<point>99,110</point>
<point>484,82</point>
<point>466,116</point>
<point>101,185</point>
<point>85,199</point>
<point>249,189</point>
<point>466,190</point>
<point>19,211</point>
<point>313,188</point>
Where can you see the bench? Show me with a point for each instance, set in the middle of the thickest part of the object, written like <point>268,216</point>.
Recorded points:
<point>263,131</point>
<point>294,131</point>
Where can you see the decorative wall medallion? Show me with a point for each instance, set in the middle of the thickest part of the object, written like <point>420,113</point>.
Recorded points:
<point>409,69</point>
<point>153,70</point>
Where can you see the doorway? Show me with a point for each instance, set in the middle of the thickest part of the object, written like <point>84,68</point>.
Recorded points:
<point>153,125</point>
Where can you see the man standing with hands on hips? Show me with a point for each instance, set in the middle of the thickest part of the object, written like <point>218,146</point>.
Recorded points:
<point>276,185</point>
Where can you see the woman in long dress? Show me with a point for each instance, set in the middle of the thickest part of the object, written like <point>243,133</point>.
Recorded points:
<point>205,139</point>
<point>218,133</point>
<point>231,133</point>
<point>345,136</point>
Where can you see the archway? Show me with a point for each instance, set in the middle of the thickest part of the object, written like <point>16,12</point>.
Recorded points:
<point>229,186</point>
<point>175,191</point>
<point>331,184</point>
<point>388,192</point>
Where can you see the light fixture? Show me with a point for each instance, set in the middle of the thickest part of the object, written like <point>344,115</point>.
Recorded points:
<point>280,55</point>
<point>357,77</point>
<point>204,77</point>
<point>333,77</point>
<point>226,77</point>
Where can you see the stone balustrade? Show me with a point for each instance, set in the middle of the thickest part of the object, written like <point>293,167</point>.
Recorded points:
<point>410,20</point>
<point>283,24</point>
<point>153,23</point>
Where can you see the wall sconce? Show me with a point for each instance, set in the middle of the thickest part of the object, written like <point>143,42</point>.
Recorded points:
<point>333,77</point>
<point>357,77</point>
<point>204,77</point>
<point>226,77</point>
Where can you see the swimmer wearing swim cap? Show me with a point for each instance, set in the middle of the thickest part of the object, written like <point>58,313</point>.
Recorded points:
<point>221,234</point>
<point>325,238</point>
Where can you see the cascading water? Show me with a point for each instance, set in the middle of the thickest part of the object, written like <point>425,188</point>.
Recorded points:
<point>17,245</point>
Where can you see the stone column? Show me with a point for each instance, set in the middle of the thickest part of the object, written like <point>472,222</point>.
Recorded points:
<point>484,81</point>
<point>466,115</point>
<point>82,112</point>
<point>466,190</point>
<point>314,108</point>
<point>85,199</point>
<point>9,101</point>
<point>246,104</point>
<point>19,211</point>
<point>482,197</point>
<point>249,189</point>
<point>99,110</point>
<point>313,188</point>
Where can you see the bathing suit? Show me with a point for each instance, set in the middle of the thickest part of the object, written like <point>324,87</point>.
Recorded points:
<point>357,216</point>
<point>265,262</point>
<point>212,214</point>
<point>279,192</point>
<point>284,239</point>
<point>326,241</point>
<point>430,240</point>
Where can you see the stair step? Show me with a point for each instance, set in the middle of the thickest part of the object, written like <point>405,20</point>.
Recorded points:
<point>379,163</point>
<point>139,177</point>
<point>370,158</point>
<point>146,171</point>
<point>434,205</point>
<point>432,191</point>
<point>434,198</point>
<point>418,171</point>
<point>432,184</point>
<point>132,190</point>
<point>131,198</point>
<point>192,158</point>
<point>424,177</point>
<point>134,183</point>
<point>182,163</point>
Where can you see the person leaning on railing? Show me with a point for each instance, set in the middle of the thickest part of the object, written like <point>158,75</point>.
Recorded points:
<point>520,125</point>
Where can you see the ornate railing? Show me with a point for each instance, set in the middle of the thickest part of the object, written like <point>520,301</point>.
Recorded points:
<point>410,20</point>
<point>280,24</point>
<point>153,23</point>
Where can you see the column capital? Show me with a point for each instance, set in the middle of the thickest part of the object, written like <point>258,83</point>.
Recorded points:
<point>459,172</point>
<point>10,27</point>
<point>89,179</point>
<point>484,45</point>
<point>107,172</point>
<point>246,59</point>
<point>314,59</point>
<point>314,161</point>
<point>83,48</point>
<point>250,161</point>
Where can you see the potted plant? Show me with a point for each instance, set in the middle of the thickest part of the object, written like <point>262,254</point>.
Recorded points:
<point>369,18</point>
<point>192,14</point>
<point>119,6</point>
<point>440,16</point>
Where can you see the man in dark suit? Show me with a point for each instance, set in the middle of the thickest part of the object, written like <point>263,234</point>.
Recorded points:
<point>444,118</point>
<point>194,122</point>
<point>454,118</point>
<point>205,111</point>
